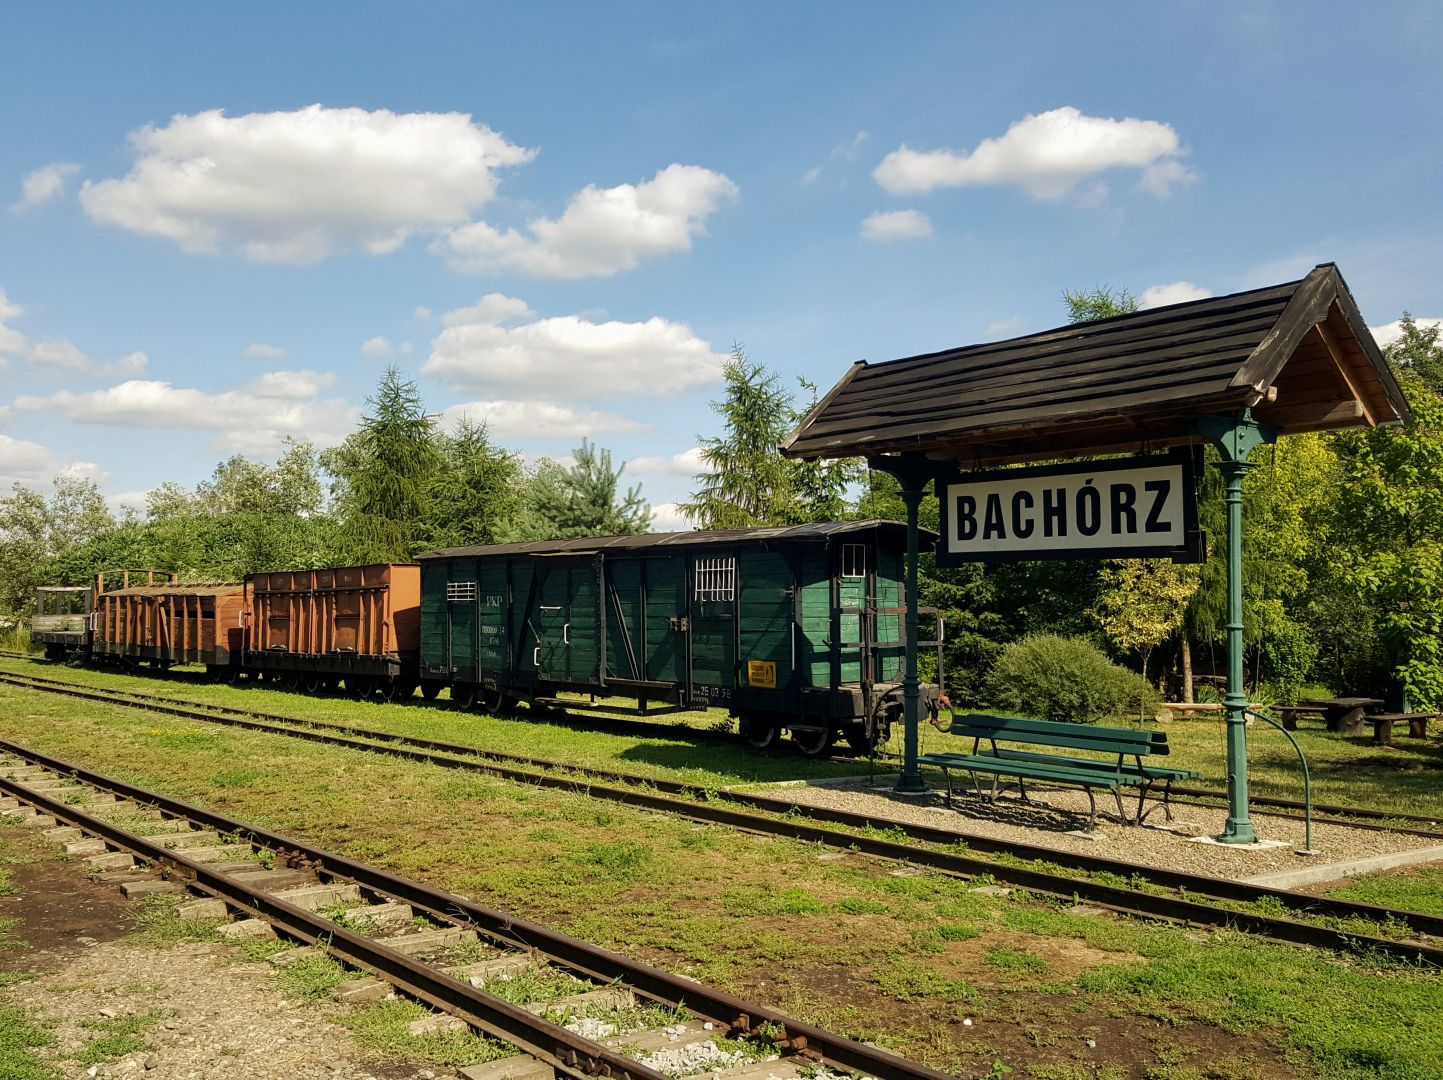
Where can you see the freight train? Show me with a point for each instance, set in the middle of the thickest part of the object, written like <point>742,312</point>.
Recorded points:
<point>795,629</point>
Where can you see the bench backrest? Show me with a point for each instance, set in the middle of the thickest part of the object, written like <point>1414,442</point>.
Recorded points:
<point>1106,740</point>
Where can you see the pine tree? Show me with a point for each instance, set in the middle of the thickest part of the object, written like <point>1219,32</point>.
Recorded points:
<point>476,495</point>
<point>385,470</point>
<point>746,482</point>
<point>584,499</point>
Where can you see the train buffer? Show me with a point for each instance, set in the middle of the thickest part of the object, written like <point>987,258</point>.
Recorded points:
<point>1122,767</point>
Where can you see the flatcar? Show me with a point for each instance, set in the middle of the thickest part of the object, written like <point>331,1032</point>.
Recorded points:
<point>164,622</point>
<point>795,629</point>
<point>61,622</point>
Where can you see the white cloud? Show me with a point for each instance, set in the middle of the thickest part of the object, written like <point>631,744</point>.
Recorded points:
<point>406,348</point>
<point>668,518</point>
<point>293,187</point>
<point>1177,292</point>
<point>421,314</point>
<point>261,351</point>
<point>688,463</point>
<point>539,419</point>
<point>566,357</point>
<point>1388,333</point>
<point>87,470</point>
<point>601,232</point>
<point>123,502</point>
<point>44,184</point>
<point>1046,154</point>
<point>491,308</point>
<point>58,354</point>
<point>377,348</point>
<point>24,462</point>
<point>886,226</point>
<point>251,419</point>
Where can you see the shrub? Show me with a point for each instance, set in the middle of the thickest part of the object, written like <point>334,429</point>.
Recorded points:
<point>1068,679</point>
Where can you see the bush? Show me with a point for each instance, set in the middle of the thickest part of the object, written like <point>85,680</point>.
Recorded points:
<point>1068,679</point>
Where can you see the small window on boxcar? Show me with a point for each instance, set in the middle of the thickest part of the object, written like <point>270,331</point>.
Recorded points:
<point>460,590</point>
<point>716,579</point>
<point>854,560</point>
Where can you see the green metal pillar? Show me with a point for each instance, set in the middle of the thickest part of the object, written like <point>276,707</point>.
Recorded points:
<point>911,778</point>
<point>913,474</point>
<point>1236,438</point>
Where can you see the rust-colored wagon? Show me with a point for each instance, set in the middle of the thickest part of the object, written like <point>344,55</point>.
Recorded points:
<point>313,628</point>
<point>164,623</point>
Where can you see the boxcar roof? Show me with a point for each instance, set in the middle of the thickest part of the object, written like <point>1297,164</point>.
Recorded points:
<point>1300,354</point>
<point>816,532</point>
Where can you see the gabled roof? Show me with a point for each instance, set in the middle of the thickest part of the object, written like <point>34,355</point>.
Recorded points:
<point>589,545</point>
<point>1299,354</point>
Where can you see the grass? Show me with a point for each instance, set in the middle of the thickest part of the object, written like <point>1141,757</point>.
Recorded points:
<point>382,1029</point>
<point>19,1039</point>
<point>1419,889</point>
<point>119,1036</point>
<point>158,925</point>
<point>758,915</point>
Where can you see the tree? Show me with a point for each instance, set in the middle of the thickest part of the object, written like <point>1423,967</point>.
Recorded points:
<point>1087,305</point>
<point>746,482</point>
<point>584,499</point>
<point>1418,354</point>
<point>35,531</point>
<point>1390,507</point>
<point>476,495</point>
<point>1144,602</point>
<point>384,472</point>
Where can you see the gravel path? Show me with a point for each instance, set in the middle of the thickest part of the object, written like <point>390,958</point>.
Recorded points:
<point>1055,818</point>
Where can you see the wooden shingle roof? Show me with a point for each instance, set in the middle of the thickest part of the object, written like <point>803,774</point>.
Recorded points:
<point>1299,354</point>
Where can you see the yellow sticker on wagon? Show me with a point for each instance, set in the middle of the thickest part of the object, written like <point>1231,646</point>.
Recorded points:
<point>762,673</point>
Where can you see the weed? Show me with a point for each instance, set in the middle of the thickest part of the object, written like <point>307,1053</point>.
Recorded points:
<point>312,976</point>
<point>621,859</point>
<point>958,932</point>
<point>383,1028</point>
<point>18,1037</point>
<point>122,1036</point>
<point>855,905</point>
<point>908,980</point>
<point>158,925</point>
<point>1012,960</point>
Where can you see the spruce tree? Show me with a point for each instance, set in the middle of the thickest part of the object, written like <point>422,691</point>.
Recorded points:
<point>385,470</point>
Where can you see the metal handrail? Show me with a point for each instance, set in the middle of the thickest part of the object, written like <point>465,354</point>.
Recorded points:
<point>1307,779</point>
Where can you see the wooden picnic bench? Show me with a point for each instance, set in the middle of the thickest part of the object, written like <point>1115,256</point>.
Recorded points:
<point>1123,768</point>
<point>1383,725</point>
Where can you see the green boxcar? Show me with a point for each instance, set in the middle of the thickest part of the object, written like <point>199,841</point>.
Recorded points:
<point>796,628</point>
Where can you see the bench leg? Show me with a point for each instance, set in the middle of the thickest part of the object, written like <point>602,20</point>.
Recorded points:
<point>1121,812</point>
<point>1382,732</point>
<point>1418,728</point>
<point>1165,803</point>
<point>1022,790</point>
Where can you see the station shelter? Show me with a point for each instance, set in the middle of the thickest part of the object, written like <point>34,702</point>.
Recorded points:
<point>1234,372</point>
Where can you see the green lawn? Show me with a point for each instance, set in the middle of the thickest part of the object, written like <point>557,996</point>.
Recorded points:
<point>902,960</point>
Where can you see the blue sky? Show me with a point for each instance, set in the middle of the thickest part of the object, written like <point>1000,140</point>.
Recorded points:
<point>219,224</point>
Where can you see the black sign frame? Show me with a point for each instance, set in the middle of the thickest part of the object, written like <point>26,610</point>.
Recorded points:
<point>1193,549</point>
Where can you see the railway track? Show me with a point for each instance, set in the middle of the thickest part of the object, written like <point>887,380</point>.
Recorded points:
<point>1362,817</point>
<point>365,918</point>
<point>1192,899</point>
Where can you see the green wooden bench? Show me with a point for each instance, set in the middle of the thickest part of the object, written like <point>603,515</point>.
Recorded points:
<point>1123,768</point>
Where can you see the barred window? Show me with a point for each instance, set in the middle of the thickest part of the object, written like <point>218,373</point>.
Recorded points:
<point>854,560</point>
<point>460,590</point>
<point>716,579</point>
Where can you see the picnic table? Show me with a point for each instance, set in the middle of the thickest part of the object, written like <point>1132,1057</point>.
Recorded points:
<point>1341,714</point>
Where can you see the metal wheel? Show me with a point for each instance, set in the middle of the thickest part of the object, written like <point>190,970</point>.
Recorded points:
<point>813,742</point>
<point>758,731</point>
<point>463,695</point>
<point>858,740</point>
<point>313,683</point>
<point>360,687</point>
<point>430,689</point>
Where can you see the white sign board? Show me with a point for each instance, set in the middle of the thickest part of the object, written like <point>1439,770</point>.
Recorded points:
<point>1141,507</point>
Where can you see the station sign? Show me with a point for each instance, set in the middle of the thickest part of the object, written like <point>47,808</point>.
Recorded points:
<point>1142,507</point>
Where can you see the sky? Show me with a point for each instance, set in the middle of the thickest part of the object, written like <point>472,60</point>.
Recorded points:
<point>220,224</point>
